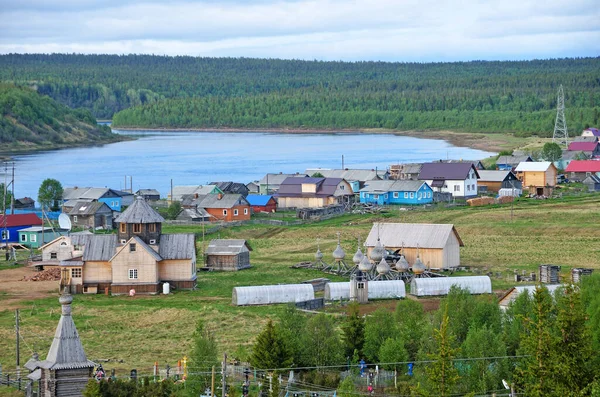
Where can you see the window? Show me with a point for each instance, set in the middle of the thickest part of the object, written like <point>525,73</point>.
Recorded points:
<point>123,241</point>
<point>363,194</point>
<point>385,196</point>
<point>245,211</point>
<point>473,188</point>
<point>457,188</point>
<point>75,218</point>
<point>428,194</point>
<point>137,227</point>
<point>225,212</point>
<point>360,285</point>
<point>53,255</point>
<point>412,194</point>
<point>375,196</point>
<point>76,273</point>
<point>33,238</point>
<point>420,195</point>
<point>235,212</point>
<point>341,187</point>
<point>152,241</point>
<point>132,247</point>
<point>152,227</point>
<point>405,194</point>
<point>468,187</point>
<point>133,274</point>
<point>396,194</point>
<point>23,237</point>
<point>123,227</point>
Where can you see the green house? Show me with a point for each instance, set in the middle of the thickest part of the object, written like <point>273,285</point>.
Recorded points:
<point>31,237</point>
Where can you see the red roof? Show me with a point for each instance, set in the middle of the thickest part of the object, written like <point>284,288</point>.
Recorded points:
<point>20,220</point>
<point>582,146</point>
<point>583,166</point>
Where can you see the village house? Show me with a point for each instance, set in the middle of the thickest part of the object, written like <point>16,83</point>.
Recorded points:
<point>253,187</point>
<point>585,139</point>
<point>225,207</point>
<point>148,194</point>
<point>63,248</point>
<point>309,192</point>
<point>229,255</point>
<point>91,215</point>
<point>36,236</point>
<point>194,191</point>
<point>458,179</point>
<point>494,180</point>
<point>24,203</point>
<point>538,177</point>
<point>578,170</point>
<point>232,187</point>
<point>511,162</point>
<point>476,163</point>
<point>262,203</point>
<point>114,199</point>
<point>591,132</point>
<point>10,225</point>
<point>66,370</point>
<point>138,257</point>
<point>590,149</point>
<point>437,245</point>
<point>269,184</point>
<point>409,171</point>
<point>592,182</point>
<point>357,178</point>
<point>399,192</point>
<point>193,215</point>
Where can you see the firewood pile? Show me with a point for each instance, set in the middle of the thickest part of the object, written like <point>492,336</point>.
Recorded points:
<point>46,275</point>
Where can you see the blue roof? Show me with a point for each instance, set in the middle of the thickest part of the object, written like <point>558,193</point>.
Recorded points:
<point>258,199</point>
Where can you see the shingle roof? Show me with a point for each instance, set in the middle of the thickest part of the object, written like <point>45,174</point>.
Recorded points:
<point>411,234</point>
<point>583,146</point>
<point>583,166</point>
<point>392,186</point>
<point>533,166</point>
<point>493,175</point>
<point>231,187</point>
<point>258,199</point>
<point>446,171</point>
<point>87,208</point>
<point>99,247</point>
<point>147,192</point>
<point>226,201</point>
<point>226,247</point>
<point>139,212</point>
<point>20,220</point>
<point>177,246</point>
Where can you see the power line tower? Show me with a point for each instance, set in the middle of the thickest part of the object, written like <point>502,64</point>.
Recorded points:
<point>561,135</point>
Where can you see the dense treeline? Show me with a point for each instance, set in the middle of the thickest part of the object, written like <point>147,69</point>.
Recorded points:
<point>30,120</point>
<point>272,93</point>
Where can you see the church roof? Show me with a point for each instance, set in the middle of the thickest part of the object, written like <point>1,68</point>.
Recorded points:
<point>139,212</point>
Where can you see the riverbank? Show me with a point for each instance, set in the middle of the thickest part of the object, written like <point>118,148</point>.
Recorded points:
<point>16,149</point>
<point>482,141</point>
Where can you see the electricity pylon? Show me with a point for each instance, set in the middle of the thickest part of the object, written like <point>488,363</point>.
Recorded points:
<point>561,135</point>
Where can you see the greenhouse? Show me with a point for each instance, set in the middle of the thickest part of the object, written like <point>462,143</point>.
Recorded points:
<point>271,294</point>
<point>388,289</point>
<point>441,285</point>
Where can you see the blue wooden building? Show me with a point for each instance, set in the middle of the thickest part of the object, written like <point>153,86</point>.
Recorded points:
<point>11,224</point>
<point>401,192</point>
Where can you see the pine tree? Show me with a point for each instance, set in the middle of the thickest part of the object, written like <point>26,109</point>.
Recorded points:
<point>441,372</point>
<point>270,350</point>
<point>201,360</point>
<point>353,332</point>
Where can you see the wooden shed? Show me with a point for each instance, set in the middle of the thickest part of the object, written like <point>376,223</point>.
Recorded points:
<point>229,255</point>
<point>438,245</point>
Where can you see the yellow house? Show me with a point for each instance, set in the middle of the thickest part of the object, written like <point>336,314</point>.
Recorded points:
<point>539,177</point>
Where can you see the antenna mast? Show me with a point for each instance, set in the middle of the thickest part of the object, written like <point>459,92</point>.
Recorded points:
<point>561,135</point>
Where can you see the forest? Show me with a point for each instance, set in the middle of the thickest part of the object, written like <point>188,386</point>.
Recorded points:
<point>544,344</point>
<point>29,120</point>
<point>195,92</point>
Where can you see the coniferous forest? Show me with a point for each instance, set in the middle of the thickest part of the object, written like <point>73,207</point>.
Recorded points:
<point>191,92</point>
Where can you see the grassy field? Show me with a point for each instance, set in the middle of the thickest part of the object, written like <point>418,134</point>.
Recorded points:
<point>136,332</point>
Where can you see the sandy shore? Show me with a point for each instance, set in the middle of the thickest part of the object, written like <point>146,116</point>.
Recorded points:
<point>487,142</point>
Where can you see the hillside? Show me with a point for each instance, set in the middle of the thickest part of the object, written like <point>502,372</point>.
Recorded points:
<point>507,96</point>
<point>32,121</point>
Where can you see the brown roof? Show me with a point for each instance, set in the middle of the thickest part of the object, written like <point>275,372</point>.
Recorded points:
<point>292,187</point>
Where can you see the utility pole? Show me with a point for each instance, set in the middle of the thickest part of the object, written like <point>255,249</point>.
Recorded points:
<point>343,161</point>
<point>171,191</point>
<point>18,352</point>
<point>12,199</point>
<point>224,374</point>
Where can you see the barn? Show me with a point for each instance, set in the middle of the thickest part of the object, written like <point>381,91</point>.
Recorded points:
<point>438,245</point>
<point>228,255</point>
<point>262,203</point>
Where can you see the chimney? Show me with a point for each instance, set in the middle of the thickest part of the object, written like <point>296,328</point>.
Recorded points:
<point>195,195</point>
<point>219,196</point>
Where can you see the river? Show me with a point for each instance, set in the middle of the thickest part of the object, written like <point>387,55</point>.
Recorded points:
<point>189,158</point>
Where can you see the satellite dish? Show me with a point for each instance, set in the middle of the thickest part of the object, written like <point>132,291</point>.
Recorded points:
<point>64,222</point>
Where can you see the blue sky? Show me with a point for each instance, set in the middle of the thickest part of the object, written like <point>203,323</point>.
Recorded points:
<point>350,30</point>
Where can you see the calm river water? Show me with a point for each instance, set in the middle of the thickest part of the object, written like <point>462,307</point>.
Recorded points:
<point>201,157</point>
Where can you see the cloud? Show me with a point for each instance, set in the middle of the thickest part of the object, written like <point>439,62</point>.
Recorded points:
<point>412,30</point>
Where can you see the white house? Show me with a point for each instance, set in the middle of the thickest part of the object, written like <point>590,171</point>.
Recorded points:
<point>459,179</point>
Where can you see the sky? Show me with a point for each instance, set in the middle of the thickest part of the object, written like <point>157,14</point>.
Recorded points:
<point>347,30</point>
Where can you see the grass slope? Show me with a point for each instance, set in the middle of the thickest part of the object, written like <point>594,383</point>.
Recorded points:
<point>30,121</point>
<point>145,329</point>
